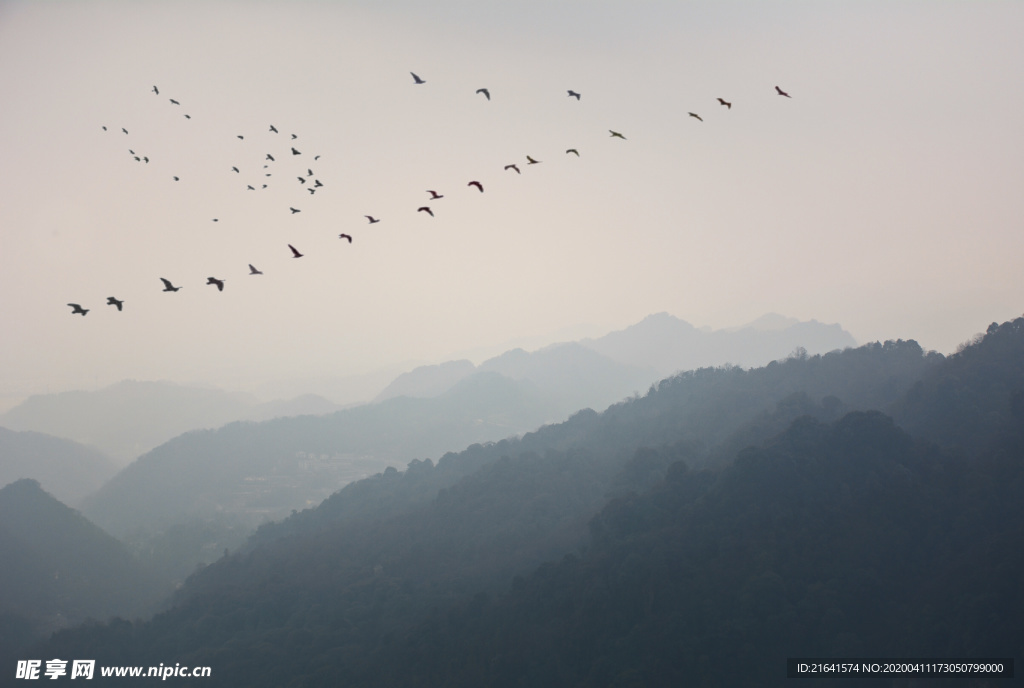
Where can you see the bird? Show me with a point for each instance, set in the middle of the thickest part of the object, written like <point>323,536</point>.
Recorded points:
<point>696,116</point>
<point>316,182</point>
<point>145,159</point>
<point>416,79</point>
<point>295,252</point>
<point>111,301</point>
<point>124,130</point>
<point>311,191</point>
<point>513,167</point>
<point>253,270</point>
<point>726,104</point>
<point>188,116</point>
<point>235,168</point>
<point>485,92</point>
<point>270,157</point>
<point>781,92</point>
<point>477,185</point>
<point>572,150</point>
<point>301,180</point>
<point>168,286</point>
<point>76,309</point>
<point>295,152</point>
<point>309,172</point>
<point>273,128</point>
<point>616,134</point>
<point>175,102</point>
<point>425,209</point>
<point>530,161</point>
<point>294,210</point>
<point>294,137</point>
<point>371,218</point>
<point>104,128</point>
<point>434,195</point>
<point>346,236</point>
<point>177,179</point>
<point>574,94</point>
<point>156,90</point>
<point>250,187</point>
<point>241,138</point>
<point>214,280</point>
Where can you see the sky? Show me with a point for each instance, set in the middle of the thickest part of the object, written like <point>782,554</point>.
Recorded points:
<point>883,195</point>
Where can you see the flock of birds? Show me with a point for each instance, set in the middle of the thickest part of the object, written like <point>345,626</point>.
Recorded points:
<point>311,183</point>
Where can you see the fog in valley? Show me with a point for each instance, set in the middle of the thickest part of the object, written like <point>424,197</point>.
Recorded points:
<point>564,343</point>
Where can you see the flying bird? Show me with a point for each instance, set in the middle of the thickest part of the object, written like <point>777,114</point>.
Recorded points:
<point>156,90</point>
<point>270,157</point>
<point>295,152</point>
<point>111,301</point>
<point>574,94</point>
<point>513,167</point>
<point>294,210</point>
<point>76,309</point>
<point>316,182</point>
<point>175,102</point>
<point>530,161</point>
<point>253,270</point>
<point>124,130</point>
<point>416,79</point>
<point>294,137</point>
<point>616,134</point>
<point>234,168</point>
<point>309,172</point>
<point>485,92</point>
<point>250,187</point>
<point>295,252</point>
<point>426,210</point>
<point>168,286</point>
<point>477,185</point>
<point>696,116</point>
<point>177,179</point>
<point>242,138</point>
<point>188,116</point>
<point>301,180</point>
<point>781,92</point>
<point>214,280</point>
<point>572,150</point>
<point>434,195</point>
<point>273,128</point>
<point>725,103</point>
<point>371,218</point>
<point>346,236</point>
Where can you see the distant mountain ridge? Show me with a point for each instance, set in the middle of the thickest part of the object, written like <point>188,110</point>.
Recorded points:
<point>66,469</point>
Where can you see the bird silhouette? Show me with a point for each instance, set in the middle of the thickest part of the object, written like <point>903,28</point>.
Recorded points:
<point>124,130</point>
<point>416,79</point>
<point>781,92</point>
<point>214,280</point>
<point>250,187</point>
<point>616,134</point>
<point>168,286</point>
<point>234,168</point>
<point>371,218</point>
<point>294,210</point>
<point>531,161</point>
<point>574,94</point>
<point>434,195</point>
<point>513,167</point>
<point>309,172</point>
<point>311,191</point>
<point>485,92</point>
<point>572,150</point>
<point>346,236</point>
<point>301,180</point>
<point>177,179</point>
<point>295,152</point>
<point>273,128</point>
<point>294,137</point>
<point>425,209</point>
<point>77,310</point>
<point>270,157</point>
<point>111,301</point>
<point>156,90</point>
<point>188,116</point>
<point>295,252</point>
<point>316,182</point>
<point>175,102</point>
<point>477,185</point>
<point>725,103</point>
<point>253,270</point>
<point>696,116</point>
<point>241,138</point>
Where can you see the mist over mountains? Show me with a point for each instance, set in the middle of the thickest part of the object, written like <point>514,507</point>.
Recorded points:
<point>770,510</point>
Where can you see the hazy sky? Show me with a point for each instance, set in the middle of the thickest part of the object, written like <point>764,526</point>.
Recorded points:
<point>886,195</point>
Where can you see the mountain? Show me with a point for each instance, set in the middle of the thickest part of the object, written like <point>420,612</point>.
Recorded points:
<point>66,469</point>
<point>57,568</point>
<point>128,418</point>
<point>257,471</point>
<point>670,345</point>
